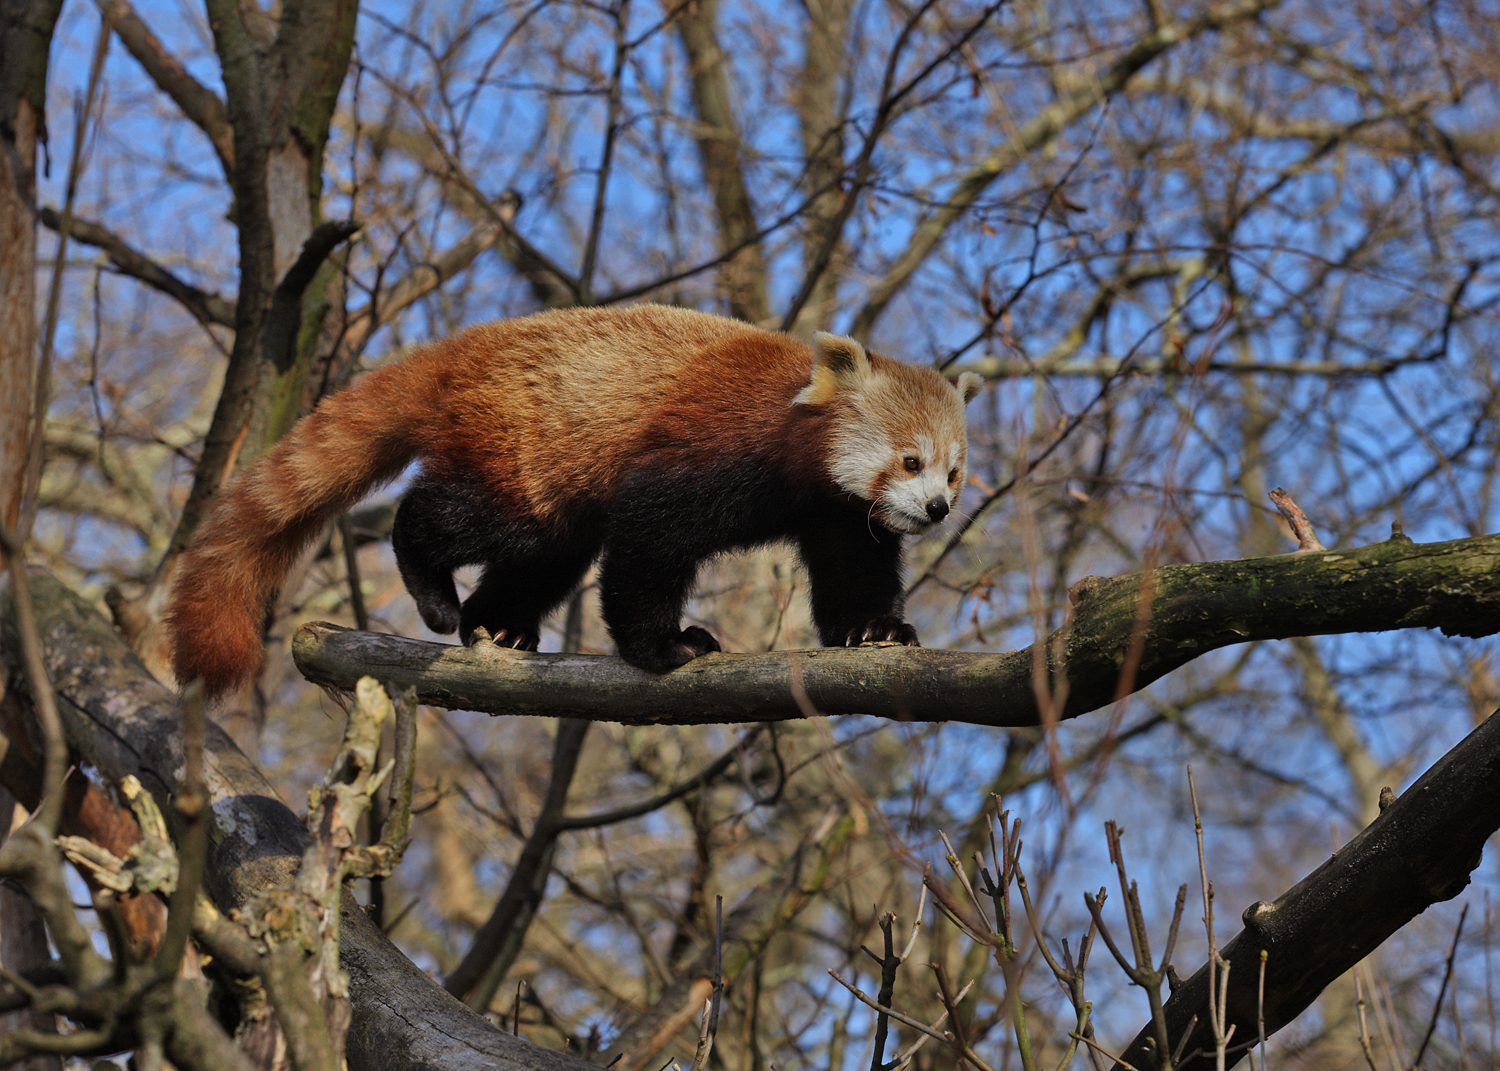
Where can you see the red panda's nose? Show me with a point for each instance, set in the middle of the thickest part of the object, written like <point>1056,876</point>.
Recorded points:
<point>937,508</point>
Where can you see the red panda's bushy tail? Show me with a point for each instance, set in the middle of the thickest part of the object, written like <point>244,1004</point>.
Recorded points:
<point>354,441</point>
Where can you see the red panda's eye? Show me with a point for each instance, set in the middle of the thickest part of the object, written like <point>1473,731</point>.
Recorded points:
<point>953,476</point>
<point>913,465</point>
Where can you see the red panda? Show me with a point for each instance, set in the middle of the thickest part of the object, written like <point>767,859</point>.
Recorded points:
<point>650,437</point>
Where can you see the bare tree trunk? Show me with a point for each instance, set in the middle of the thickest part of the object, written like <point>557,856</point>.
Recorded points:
<point>719,146</point>
<point>820,113</point>
<point>281,79</point>
<point>25,37</point>
<point>277,177</point>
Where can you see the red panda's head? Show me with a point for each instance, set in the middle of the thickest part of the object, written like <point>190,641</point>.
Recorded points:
<point>899,439</point>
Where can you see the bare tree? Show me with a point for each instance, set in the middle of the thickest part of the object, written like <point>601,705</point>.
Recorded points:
<point>1200,250</point>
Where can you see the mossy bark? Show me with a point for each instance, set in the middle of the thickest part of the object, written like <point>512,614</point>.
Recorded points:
<point>1182,612</point>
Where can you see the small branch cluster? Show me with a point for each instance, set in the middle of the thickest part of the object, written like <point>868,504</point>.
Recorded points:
<point>988,926</point>
<point>1140,970</point>
<point>280,953</point>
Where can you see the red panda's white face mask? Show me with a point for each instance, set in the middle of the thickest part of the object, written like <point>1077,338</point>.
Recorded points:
<point>899,439</point>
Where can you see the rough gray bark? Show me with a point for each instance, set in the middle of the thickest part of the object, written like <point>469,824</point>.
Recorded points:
<point>1190,610</point>
<point>121,721</point>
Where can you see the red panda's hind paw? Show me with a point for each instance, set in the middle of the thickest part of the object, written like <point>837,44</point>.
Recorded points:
<point>677,651</point>
<point>697,640</point>
<point>888,628</point>
<point>441,618</point>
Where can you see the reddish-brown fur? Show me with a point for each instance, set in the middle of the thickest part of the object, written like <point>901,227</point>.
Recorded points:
<point>549,414</point>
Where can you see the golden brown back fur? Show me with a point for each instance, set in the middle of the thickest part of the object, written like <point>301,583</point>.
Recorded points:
<point>543,409</point>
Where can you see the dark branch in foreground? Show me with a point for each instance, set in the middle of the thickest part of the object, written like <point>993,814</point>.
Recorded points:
<point>1454,586</point>
<point>1420,851</point>
<point>120,721</point>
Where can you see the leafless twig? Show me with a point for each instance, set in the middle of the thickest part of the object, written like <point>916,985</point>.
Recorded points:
<point>1307,539</point>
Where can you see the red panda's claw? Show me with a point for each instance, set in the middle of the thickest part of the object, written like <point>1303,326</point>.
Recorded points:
<point>885,629</point>
<point>517,639</point>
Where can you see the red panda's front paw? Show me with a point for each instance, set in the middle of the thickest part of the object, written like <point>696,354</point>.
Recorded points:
<point>517,639</point>
<point>692,642</point>
<point>888,628</point>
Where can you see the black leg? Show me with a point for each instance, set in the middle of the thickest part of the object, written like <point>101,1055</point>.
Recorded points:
<point>430,542</point>
<point>529,569</point>
<point>641,593</point>
<point>857,595</point>
<point>515,595</point>
<point>660,531</point>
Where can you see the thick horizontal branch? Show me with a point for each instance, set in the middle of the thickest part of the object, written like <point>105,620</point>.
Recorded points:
<point>1420,851</point>
<point>120,721</point>
<point>1193,609</point>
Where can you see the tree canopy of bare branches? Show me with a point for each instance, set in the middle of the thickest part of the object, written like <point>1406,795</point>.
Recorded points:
<point>1197,249</point>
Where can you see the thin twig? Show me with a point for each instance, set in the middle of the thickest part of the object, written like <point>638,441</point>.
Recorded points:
<point>1307,539</point>
<point>859,171</point>
<point>915,1024</point>
<point>1364,1028</point>
<point>351,573</point>
<point>1437,1007</point>
<point>710,1025</point>
<point>1091,1043</point>
<point>611,134</point>
<point>192,852</point>
<point>888,964</point>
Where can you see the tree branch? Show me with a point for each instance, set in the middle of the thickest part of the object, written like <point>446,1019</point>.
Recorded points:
<point>121,721</point>
<point>1195,609</point>
<point>722,155</point>
<point>1110,367</point>
<point>498,941</point>
<point>199,103</point>
<point>1418,852</point>
<point>207,307</point>
<point>1043,128</point>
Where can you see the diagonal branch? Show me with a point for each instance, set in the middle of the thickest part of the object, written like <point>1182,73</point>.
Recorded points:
<point>891,99</point>
<point>207,307</point>
<point>199,103</point>
<point>1418,852</point>
<point>120,720</point>
<point>498,941</point>
<point>722,153</point>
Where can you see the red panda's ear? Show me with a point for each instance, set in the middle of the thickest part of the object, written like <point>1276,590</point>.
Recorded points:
<point>838,363</point>
<point>968,385</point>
